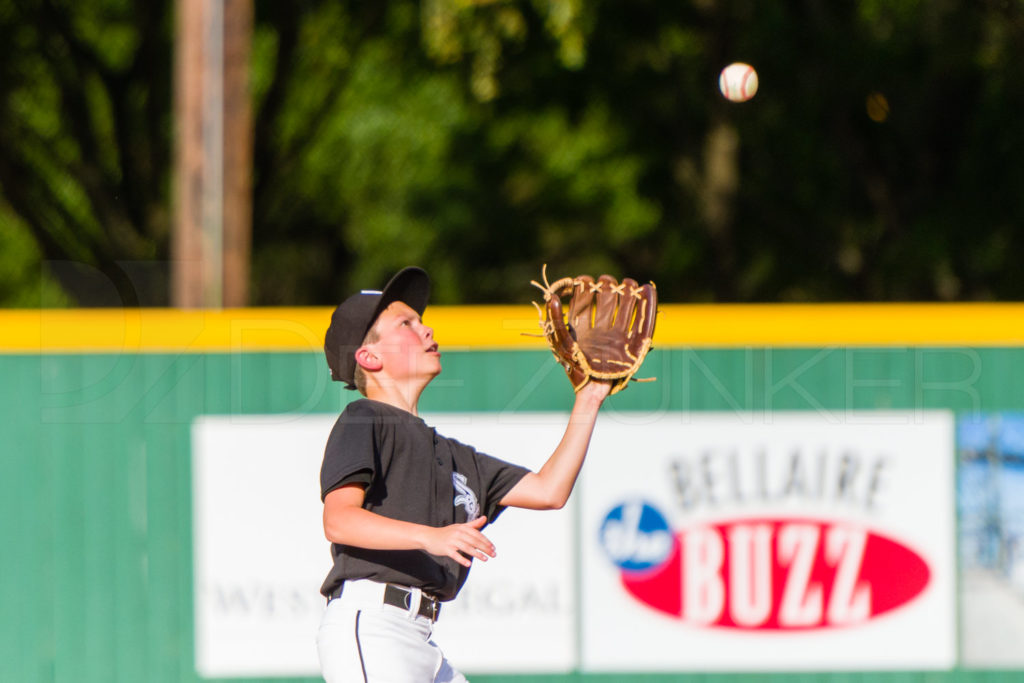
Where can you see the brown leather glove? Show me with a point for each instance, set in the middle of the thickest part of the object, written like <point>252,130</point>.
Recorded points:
<point>607,330</point>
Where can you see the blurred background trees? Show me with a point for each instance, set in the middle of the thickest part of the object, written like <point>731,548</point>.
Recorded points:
<point>881,159</point>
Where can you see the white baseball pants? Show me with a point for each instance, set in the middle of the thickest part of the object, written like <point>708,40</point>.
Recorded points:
<point>362,640</point>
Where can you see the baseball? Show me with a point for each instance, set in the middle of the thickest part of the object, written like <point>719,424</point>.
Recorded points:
<point>738,82</point>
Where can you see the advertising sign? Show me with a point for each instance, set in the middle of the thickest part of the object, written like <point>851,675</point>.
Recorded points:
<point>258,543</point>
<point>713,542</point>
<point>784,541</point>
<point>990,497</point>
<point>260,554</point>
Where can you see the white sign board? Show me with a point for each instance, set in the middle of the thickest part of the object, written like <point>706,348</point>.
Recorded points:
<point>778,542</point>
<point>711,542</point>
<point>259,549</point>
<point>260,554</point>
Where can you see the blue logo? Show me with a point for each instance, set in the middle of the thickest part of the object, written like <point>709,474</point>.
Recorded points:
<point>636,536</point>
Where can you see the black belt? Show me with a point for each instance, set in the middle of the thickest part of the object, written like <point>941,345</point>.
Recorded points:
<point>397,596</point>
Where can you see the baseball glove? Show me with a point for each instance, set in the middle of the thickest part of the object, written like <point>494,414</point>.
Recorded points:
<point>606,331</point>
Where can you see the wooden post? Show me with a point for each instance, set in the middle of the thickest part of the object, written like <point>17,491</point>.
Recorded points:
<point>186,248</point>
<point>211,244</point>
<point>237,220</point>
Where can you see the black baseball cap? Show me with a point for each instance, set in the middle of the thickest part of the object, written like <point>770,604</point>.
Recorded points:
<point>354,317</point>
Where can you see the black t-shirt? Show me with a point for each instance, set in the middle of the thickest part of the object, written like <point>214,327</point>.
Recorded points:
<point>415,475</point>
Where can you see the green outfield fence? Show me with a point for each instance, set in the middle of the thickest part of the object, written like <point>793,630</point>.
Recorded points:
<point>96,583</point>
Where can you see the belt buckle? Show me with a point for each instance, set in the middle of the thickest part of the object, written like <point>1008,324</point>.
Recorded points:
<point>429,607</point>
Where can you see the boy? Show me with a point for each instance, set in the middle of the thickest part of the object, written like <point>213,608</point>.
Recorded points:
<point>404,506</point>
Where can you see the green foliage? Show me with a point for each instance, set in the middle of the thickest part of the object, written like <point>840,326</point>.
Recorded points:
<point>353,158</point>
<point>22,284</point>
<point>84,142</point>
<point>482,30</point>
<point>881,159</point>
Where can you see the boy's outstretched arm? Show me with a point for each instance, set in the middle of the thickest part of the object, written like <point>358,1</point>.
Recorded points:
<point>549,488</point>
<point>347,523</point>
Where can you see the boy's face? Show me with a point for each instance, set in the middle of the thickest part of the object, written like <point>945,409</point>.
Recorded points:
<point>405,345</point>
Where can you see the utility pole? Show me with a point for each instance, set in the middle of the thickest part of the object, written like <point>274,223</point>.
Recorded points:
<point>212,240</point>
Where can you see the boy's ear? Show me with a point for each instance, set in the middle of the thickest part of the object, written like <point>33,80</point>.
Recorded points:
<point>367,359</point>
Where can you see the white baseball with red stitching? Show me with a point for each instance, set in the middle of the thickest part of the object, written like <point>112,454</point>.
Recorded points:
<point>738,82</point>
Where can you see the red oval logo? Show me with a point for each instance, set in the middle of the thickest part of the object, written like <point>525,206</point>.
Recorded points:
<point>780,574</point>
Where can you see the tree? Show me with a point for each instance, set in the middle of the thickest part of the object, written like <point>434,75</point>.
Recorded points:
<point>879,161</point>
<point>84,148</point>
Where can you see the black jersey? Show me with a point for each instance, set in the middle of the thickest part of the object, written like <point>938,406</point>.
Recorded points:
<point>415,475</point>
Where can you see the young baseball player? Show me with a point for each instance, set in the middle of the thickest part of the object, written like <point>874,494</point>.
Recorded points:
<point>405,507</point>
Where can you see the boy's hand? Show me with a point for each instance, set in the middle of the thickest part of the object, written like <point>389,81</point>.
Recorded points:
<point>597,389</point>
<point>461,542</point>
<point>590,398</point>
